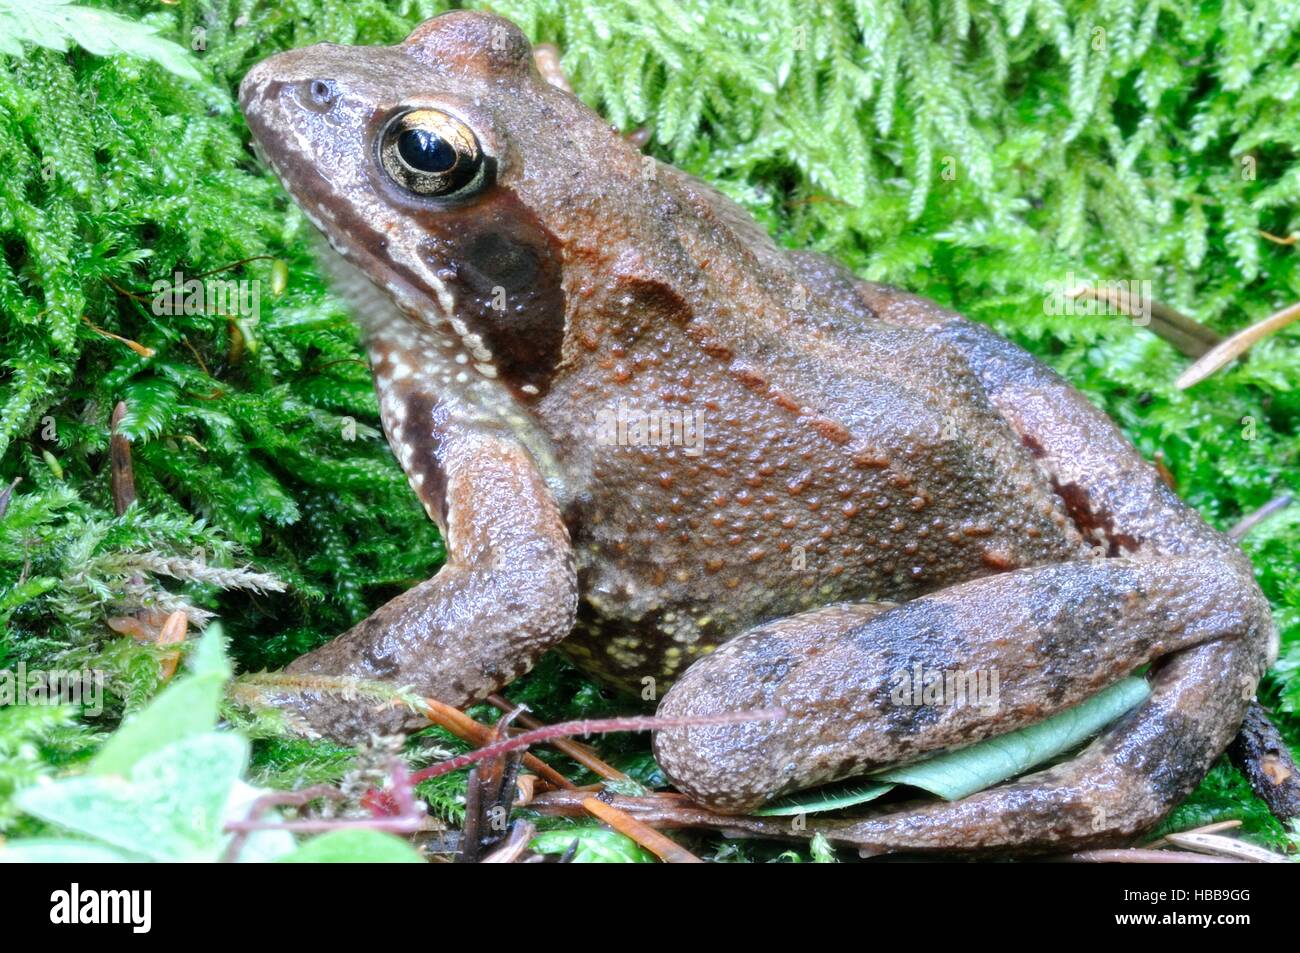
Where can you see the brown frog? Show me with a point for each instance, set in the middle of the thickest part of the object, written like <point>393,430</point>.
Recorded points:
<point>686,456</point>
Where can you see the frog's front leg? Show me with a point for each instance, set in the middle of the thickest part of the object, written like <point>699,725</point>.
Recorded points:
<point>506,594</point>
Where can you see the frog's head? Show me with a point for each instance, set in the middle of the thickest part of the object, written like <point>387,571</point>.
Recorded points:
<point>456,178</point>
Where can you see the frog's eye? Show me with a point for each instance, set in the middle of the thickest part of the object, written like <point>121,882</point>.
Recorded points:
<point>432,153</point>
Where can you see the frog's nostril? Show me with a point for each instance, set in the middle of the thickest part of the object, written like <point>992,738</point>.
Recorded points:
<point>321,94</point>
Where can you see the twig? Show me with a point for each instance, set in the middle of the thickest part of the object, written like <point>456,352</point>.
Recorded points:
<point>121,473</point>
<point>152,626</point>
<point>234,264</point>
<point>1262,756</point>
<point>467,729</point>
<point>320,368</point>
<point>676,811</point>
<point>1207,829</point>
<point>1217,845</point>
<point>1279,240</point>
<point>489,797</point>
<point>578,752</point>
<point>136,346</point>
<point>138,296</point>
<point>1187,335</point>
<point>1231,349</point>
<point>662,847</point>
<point>1251,520</point>
<point>521,835</point>
<point>7,494</point>
<point>1140,855</point>
<point>547,59</point>
<point>592,726</point>
<point>203,367</point>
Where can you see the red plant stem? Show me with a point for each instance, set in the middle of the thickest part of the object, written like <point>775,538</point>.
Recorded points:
<point>407,819</point>
<point>398,825</point>
<point>403,790</point>
<point>593,726</point>
<point>579,753</point>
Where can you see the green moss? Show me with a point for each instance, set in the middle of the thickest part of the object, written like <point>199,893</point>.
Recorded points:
<point>974,152</point>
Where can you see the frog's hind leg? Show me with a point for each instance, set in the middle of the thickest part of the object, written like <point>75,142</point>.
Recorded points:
<point>1131,776</point>
<point>866,687</point>
<point>1122,784</point>
<point>1162,585</point>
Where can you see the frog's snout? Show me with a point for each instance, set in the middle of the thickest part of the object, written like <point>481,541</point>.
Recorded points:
<point>291,101</point>
<point>253,86</point>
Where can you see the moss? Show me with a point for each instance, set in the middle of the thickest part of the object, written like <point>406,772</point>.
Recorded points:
<point>977,153</point>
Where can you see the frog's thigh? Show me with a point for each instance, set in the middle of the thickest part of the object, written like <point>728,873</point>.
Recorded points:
<point>507,593</point>
<point>1006,651</point>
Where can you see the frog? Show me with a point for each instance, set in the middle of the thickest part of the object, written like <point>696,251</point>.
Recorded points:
<point>733,477</point>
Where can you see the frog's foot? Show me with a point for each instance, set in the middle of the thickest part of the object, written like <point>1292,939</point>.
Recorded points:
<point>1008,651</point>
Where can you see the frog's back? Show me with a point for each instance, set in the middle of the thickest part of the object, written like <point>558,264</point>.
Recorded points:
<point>726,479</point>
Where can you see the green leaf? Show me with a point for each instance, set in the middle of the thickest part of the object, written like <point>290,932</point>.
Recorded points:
<point>595,845</point>
<point>183,709</point>
<point>54,23</point>
<point>959,773</point>
<point>171,807</point>
<point>815,802</point>
<point>354,847</point>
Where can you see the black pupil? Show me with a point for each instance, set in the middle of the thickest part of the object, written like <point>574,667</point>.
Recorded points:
<point>425,151</point>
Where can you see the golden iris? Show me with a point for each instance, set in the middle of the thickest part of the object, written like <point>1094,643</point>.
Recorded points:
<point>431,153</point>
